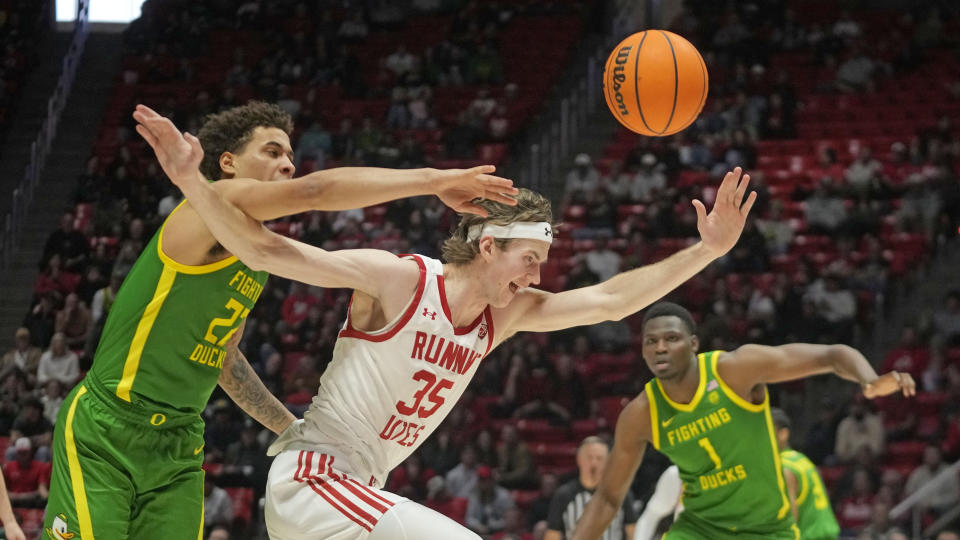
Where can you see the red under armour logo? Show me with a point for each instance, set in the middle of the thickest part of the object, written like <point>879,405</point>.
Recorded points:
<point>483,330</point>
<point>431,314</point>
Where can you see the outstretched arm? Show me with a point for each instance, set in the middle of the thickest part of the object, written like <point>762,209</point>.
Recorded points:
<point>629,444</point>
<point>245,388</point>
<point>629,292</point>
<point>751,365</point>
<point>331,189</point>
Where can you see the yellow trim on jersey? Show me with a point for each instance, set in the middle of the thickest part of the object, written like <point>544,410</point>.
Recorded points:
<point>778,465</point>
<point>200,533</point>
<point>132,363</point>
<point>744,404</point>
<point>186,268</point>
<point>796,531</point>
<point>76,475</point>
<point>787,457</point>
<point>654,418</point>
<point>689,407</point>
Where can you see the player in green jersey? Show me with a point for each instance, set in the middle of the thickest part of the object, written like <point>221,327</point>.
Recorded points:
<point>128,442</point>
<point>808,499</point>
<point>710,414</point>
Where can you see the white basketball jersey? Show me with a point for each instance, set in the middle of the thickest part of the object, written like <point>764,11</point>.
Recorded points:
<point>385,392</point>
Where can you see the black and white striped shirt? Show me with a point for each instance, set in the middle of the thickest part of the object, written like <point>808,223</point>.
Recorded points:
<point>569,502</point>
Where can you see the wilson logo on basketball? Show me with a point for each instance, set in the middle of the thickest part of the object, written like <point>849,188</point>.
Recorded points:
<point>619,77</point>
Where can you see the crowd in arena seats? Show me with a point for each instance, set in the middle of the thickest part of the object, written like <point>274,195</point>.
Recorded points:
<point>843,219</point>
<point>23,23</point>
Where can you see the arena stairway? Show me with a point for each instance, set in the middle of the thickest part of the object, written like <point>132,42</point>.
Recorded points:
<point>95,79</point>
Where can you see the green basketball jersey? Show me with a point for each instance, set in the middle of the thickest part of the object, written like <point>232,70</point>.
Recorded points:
<point>163,343</point>
<point>814,515</point>
<point>725,449</point>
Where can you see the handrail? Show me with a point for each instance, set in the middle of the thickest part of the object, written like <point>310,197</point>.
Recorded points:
<point>947,475</point>
<point>542,159</point>
<point>40,148</point>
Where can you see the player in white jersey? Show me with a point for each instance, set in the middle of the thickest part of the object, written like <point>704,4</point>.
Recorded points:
<point>415,333</point>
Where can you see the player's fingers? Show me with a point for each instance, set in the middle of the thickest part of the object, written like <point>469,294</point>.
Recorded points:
<point>701,210</point>
<point>745,209</point>
<point>741,189</point>
<point>500,197</point>
<point>908,384</point>
<point>147,110</point>
<point>728,186</point>
<point>147,135</point>
<point>471,208</point>
<point>496,182</point>
<point>483,169</point>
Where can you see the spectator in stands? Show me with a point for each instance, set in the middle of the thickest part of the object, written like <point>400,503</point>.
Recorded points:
<point>540,507</point>
<point>69,243</point>
<point>440,452</point>
<point>909,356</point>
<point>219,532</point>
<point>602,260</point>
<point>824,211</point>
<point>776,231</point>
<point>247,456</point>
<point>948,535</point>
<point>513,527</point>
<point>649,180</point>
<point>863,175</point>
<point>401,62</point>
<point>52,399</point>
<point>582,179</point>
<point>879,523</point>
<point>942,499</point>
<point>750,254</point>
<point>54,279</point>
<point>486,450</point>
<point>217,506</point>
<point>946,321</point>
<point>484,66</point>
<point>857,72</point>
<point>23,357</point>
<point>834,303</point>
<point>314,145</point>
<point>58,362</point>
<point>854,511</point>
<point>515,466</point>
<point>439,499</point>
<point>827,166</point>
<point>570,499</point>
<point>297,305</point>
<point>103,299</point>
<point>30,423</point>
<point>27,479</point>
<point>860,428</point>
<point>487,504</point>
<point>462,478</point>
<point>569,389</point>
<point>73,321</point>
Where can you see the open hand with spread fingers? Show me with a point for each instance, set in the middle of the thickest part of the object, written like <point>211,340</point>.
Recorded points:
<point>721,228</point>
<point>891,383</point>
<point>457,188</point>
<point>179,154</point>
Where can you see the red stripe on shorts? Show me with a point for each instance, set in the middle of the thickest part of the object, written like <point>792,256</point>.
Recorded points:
<point>372,493</point>
<point>337,507</point>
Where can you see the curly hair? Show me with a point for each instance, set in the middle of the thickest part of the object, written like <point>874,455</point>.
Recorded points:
<point>232,129</point>
<point>531,206</point>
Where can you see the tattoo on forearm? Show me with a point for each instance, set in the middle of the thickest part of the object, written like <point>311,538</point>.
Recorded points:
<point>249,392</point>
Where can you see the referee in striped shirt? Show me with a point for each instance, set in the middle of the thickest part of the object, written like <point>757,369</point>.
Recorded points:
<point>570,499</point>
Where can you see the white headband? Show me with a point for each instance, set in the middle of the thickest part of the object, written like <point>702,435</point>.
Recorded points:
<point>531,230</point>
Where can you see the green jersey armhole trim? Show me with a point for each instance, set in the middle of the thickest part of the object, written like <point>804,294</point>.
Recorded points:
<point>185,268</point>
<point>744,404</point>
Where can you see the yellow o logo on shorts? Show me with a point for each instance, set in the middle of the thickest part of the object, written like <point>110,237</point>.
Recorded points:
<point>158,419</point>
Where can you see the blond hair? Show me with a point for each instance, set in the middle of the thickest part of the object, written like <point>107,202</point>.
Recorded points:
<point>531,206</point>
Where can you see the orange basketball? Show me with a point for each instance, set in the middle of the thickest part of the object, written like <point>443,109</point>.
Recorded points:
<point>655,83</point>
